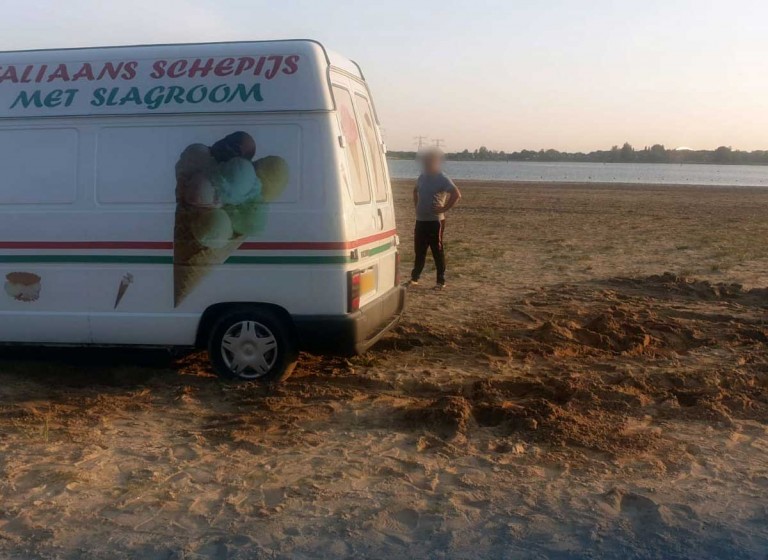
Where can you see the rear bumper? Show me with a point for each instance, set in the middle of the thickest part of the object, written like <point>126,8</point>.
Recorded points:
<point>351,334</point>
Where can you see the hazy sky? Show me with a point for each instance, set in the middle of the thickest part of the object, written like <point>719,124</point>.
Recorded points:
<point>564,74</point>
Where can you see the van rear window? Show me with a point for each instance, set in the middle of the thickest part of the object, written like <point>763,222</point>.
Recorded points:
<point>373,146</point>
<point>39,166</point>
<point>361,188</point>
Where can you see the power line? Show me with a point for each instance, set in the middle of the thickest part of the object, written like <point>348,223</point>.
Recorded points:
<point>438,142</point>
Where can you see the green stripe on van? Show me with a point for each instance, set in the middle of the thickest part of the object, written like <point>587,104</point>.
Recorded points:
<point>289,260</point>
<point>168,259</point>
<point>377,250</point>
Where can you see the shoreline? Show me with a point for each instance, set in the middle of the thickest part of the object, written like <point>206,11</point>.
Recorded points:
<point>677,164</point>
<point>601,185</point>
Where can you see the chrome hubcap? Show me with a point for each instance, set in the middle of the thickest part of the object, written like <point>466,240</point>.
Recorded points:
<point>249,349</point>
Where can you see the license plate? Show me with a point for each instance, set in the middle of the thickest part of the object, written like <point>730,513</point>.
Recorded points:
<point>367,281</point>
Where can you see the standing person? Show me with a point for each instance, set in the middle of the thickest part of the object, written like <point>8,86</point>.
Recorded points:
<point>433,196</point>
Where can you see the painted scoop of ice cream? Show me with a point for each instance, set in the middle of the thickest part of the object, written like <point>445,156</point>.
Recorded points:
<point>195,159</point>
<point>211,228</point>
<point>274,174</point>
<point>248,218</point>
<point>239,182</point>
<point>199,191</point>
<point>238,144</point>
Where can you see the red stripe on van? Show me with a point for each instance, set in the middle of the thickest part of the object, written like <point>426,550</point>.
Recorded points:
<point>316,245</point>
<point>154,245</point>
<point>168,245</point>
<point>371,238</point>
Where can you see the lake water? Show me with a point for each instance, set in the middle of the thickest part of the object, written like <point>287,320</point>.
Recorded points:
<point>647,173</point>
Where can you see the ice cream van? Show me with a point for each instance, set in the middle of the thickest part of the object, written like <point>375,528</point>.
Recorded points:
<point>229,196</point>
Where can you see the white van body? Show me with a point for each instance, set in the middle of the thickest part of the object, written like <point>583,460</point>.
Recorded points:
<point>123,222</point>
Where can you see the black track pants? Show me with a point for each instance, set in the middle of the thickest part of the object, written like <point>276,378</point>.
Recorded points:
<point>429,235</point>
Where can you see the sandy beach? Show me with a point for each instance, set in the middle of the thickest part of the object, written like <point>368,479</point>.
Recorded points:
<point>592,384</point>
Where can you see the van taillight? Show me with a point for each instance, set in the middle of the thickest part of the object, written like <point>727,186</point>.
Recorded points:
<point>353,293</point>
<point>397,268</point>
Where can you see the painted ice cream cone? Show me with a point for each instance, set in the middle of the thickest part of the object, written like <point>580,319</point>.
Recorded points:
<point>218,205</point>
<point>192,259</point>
<point>124,283</point>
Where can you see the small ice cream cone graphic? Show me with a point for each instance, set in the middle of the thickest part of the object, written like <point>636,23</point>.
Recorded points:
<point>126,281</point>
<point>219,203</point>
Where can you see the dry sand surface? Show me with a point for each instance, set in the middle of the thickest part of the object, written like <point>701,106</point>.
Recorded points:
<point>593,384</point>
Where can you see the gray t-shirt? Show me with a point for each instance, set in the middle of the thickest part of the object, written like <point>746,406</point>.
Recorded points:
<point>433,190</point>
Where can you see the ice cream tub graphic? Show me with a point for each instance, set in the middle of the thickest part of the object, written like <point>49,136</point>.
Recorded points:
<point>222,198</point>
<point>23,286</point>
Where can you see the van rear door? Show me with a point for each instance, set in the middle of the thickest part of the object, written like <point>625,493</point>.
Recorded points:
<point>370,190</point>
<point>383,204</point>
<point>375,157</point>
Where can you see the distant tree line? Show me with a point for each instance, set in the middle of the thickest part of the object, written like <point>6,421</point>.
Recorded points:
<point>624,154</point>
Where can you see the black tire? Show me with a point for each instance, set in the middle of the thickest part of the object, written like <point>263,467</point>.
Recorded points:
<point>250,332</point>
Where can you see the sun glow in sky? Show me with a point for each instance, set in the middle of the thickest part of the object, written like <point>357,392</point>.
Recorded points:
<point>564,74</point>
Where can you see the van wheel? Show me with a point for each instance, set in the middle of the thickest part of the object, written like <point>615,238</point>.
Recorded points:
<point>253,345</point>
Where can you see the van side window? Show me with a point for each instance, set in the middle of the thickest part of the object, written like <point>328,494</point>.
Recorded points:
<point>39,166</point>
<point>137,164</point>
<point>368,123</point>
<point>361,188</point>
